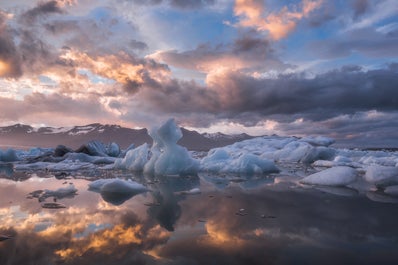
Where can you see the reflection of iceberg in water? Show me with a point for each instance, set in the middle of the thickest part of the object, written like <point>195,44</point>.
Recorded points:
<point>116,191</point>
<point>166,209</point>
<point>6,169</point>
<point>245,182</point>
<point>339,191</point>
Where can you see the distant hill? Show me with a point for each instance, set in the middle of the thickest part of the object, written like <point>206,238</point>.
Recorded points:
<point>25,136</point>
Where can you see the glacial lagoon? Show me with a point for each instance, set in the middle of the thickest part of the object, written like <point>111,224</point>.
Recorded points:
<point>202,219</point>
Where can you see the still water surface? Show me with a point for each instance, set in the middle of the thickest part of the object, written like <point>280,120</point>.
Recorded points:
<point>253,220</point>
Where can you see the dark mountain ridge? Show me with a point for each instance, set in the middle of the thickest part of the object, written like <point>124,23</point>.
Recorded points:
<point>24,136</point>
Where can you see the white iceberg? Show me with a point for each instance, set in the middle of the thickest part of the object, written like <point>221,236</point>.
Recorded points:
<point>382,175</point>
<point>166,156</point>
<point>335,176</point>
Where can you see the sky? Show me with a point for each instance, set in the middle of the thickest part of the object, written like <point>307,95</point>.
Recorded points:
<point>294,67</point>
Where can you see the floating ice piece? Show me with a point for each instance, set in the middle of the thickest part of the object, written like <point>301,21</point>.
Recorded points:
<point>381,175</point>
<point>116,191</point>
<point>135,159</point>
<point>8,156</point>
<point>335,176</point>
<point>392,190</point>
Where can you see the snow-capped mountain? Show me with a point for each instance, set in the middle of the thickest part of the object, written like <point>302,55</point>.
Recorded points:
<point>25,136</point>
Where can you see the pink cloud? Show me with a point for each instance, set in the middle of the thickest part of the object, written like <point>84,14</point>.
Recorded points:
<point>278,24</point>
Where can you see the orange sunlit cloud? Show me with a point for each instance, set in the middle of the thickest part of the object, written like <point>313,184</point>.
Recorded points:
<point>278,24</point>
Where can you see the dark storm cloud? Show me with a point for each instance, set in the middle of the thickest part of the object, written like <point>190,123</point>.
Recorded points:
<point>247,52</point>
<point>248,100</point>
<point>42,9</point>
<point>323,96</point>
<point>9,57</point>
<point>191,4</point>
<point>179,4</point>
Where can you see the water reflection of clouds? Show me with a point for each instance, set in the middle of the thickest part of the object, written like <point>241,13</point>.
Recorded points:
<point>310,227</point>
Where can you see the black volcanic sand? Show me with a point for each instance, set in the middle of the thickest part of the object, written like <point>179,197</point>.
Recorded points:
<point>227,223</point>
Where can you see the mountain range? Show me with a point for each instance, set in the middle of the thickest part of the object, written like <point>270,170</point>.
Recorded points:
<point>25,136</point>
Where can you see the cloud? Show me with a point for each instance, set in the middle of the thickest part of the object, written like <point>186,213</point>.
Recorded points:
<point>246,53</point>
<point>10,64</point>
<point>179,4</point>
<point>367,42</point>
<point>38,107</point>
<point>191,4</point>
<point>360,7</point>
<point>252,13</point>
<point>42,9</point>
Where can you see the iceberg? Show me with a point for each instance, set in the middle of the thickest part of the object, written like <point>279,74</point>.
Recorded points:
<point>166,156</point>
<point>335,176</point>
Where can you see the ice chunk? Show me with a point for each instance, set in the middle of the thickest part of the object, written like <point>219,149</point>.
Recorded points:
<point>382,175</point>
<point>8,156</point>
<point>116,191</point>
<point>135,159</point>
<point>113,150</point>
<point>335,176</point>
<point>96,148</point>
